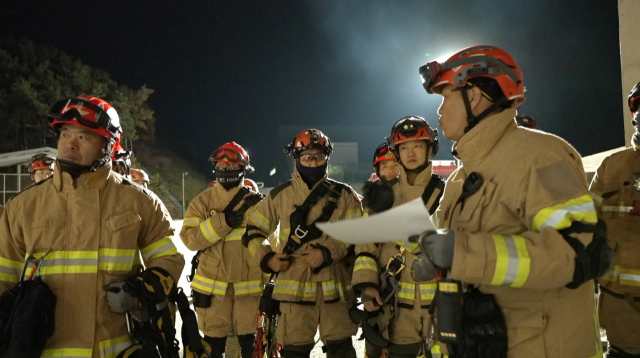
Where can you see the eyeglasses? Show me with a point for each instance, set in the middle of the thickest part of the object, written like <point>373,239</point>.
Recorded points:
<point>313,157</point>
<point>77,108</point>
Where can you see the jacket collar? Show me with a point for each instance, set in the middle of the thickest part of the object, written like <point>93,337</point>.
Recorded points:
<point>299,183</point>
<point>227,194</point>
<point>421,180</point>
<point>474,146</point>
<point>91,180</point>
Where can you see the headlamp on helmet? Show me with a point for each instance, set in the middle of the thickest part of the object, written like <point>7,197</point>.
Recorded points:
<point>309,139</point>
<point>412,128</point>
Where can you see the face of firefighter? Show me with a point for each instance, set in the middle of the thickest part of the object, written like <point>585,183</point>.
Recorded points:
<point>413,153</point>
<point>313,157</point>
<point>225,165</point>
<point>42,174</point>
<point>80,145</point>
<point>453,114</point>
<point>389,169</point>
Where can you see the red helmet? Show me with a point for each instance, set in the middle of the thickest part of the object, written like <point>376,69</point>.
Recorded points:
<point>382,153</point>
<point>476,62</point>
<point>92,113</point>
<point>527,122</point>
<point>121,157</point>
<point>252,184</point>
<point>212,184</point>
<point>307,139</point>
<point>41,161</point>
<point>140,175</point>
<point>233,153</point>
<point>412,128</point>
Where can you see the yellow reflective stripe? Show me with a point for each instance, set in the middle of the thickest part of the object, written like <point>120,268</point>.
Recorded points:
<point>261,221</point>
<point>68,353</point>
<point>296,288</point>
<point>365,214</point>
<point>110,348</point>
<point>192,221</point>
<point>61,262</point>
<point>116,259</point>
<point>629,277</point>
<point>329,288</point>
<point>612,274</point>
<point>407,290</point>
<point>353,214</point>
<point>162,247</point>
<point>513,262</point>
<point>284,234</point>
<point>235,235</point>
<point>409,246</point>
<point>209,285</point>
<point>365,263</point>
<point>560,216</point>
<point>247,287</point>
<point>253,246</point>
<point>10,270</point>
<point>208,232</point>
<point>428,290</point>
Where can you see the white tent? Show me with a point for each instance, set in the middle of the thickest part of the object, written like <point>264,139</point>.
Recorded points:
<point>23,156</point>
<point>12,183</point>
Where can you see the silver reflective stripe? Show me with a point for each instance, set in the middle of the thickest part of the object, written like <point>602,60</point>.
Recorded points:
<point>514,260</point>
<point>261,223</point>
<point>629,277</point>
<point>596,197</point>
<point>560,214</point>
<point>623,209</point>
<point>166,247</point>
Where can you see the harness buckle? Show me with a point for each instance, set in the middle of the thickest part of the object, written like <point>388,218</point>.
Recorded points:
<point>300,233</point>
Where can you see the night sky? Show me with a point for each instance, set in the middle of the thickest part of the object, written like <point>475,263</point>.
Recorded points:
<point>235,70</point>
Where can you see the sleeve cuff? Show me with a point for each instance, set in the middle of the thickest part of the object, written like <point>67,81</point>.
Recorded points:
<point>263,263</point>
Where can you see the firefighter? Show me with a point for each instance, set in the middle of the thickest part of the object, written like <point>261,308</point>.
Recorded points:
<point>313,274</point>
<point>519,224</point>
<point>385,163</point>
<point>41,167</point>
<point>616,192</point>
<point>87,228</point>
<point>140,177</point>
<point>414,142</point>
<point>228,282</point>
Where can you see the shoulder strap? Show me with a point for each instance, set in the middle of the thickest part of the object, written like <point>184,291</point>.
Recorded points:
<point>236,199</point>
<point>275,191</point>
<point>436,182</point>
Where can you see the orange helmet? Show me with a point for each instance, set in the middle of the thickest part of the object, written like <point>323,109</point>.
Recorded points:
<point>41,161</point>
<point>307,139</point>
<point>634,101</point>
<point>412,128</point>
<point>92,113</point>
<point>212,184</point>
<point>233,153</point>
<point>527,122</point>
<point>382,153</point>
<point>140,175</point>
<point>252,184</point>
<point>476,62</point>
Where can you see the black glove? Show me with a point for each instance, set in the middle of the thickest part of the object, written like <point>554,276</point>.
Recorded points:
<point>378,197</point>
<point>233,218</point>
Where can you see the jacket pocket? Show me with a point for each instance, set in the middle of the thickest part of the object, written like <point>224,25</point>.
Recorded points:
<point>525,328</point>
<point>471,213</point>
<point>40,233</point>
<point>119,249</point>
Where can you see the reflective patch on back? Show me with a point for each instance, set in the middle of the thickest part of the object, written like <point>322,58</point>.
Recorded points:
<point>560,181</point>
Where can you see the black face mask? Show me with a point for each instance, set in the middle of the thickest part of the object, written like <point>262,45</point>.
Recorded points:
<point>229,178</point>
<point>311,175</point>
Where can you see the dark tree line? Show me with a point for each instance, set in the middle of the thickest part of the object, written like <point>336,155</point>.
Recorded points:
<point>33,77</point>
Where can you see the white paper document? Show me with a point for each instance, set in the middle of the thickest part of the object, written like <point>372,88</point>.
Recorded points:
<point>395,224</point>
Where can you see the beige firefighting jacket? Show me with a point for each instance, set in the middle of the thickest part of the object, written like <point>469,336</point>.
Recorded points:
<point>299,283</point>
<point>616,191</point>
<point>372,258</point>
<point>1,210</point>
<point>507,239</point>
<point>224,259</point>
<point>91,232</point>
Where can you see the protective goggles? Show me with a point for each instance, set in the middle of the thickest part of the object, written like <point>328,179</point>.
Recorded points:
<point>313,157</point>
<point>80,109</point>
<point>228,155</point>
<point>483,66</point>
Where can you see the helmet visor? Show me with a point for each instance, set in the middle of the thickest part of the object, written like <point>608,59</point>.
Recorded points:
<point>83,111</point>
<point>227,155</point>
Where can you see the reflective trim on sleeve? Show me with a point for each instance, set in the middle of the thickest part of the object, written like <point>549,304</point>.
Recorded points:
<point>365,263</point>
<point>295,288</point>
<point>617,209</point>
<point>253,246</point>
<point>261,221</point>
<point>630,277</point>
<point>10,271</point>
<point>329,288</point>
<point>596,198</point>
<point>116,259</point>
<point>208,232</point>
<point>68,353</point>
<point>208,285</point>
<point>561,215</point>
<point>284,235</point>
<point>407,290</point>
<point>612,274</point>
<point>192,221</point>
<point>428,291</point>
<point>64,262</point>
<point>513,262</point>
<point>235,235</point>
<point>162,247</point>
<point>110,348</point>
<point>248,287</point>
<point>353,214</point>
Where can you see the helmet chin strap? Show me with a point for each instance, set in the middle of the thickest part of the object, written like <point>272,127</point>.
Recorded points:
<point>418,169</point>
<point>472,120</point>
<point>75,169</point>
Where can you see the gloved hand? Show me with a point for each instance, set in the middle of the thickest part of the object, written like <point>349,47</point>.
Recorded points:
<point>118,300</point>
<point>378,197</point>
<point>233,218</point>
<point>422,269</point>
<point>439,246</point>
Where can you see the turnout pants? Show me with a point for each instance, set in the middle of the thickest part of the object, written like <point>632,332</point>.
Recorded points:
<point>412,325</point>
<point>298,323</point>
<point>225,312</point>
<point>620,316</point>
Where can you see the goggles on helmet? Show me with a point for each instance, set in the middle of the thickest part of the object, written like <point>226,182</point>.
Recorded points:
<point>41,161</point>
<point>484,65</point>
<point>313,157</point>
<point>230,156</point>
<point>78,109</point>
